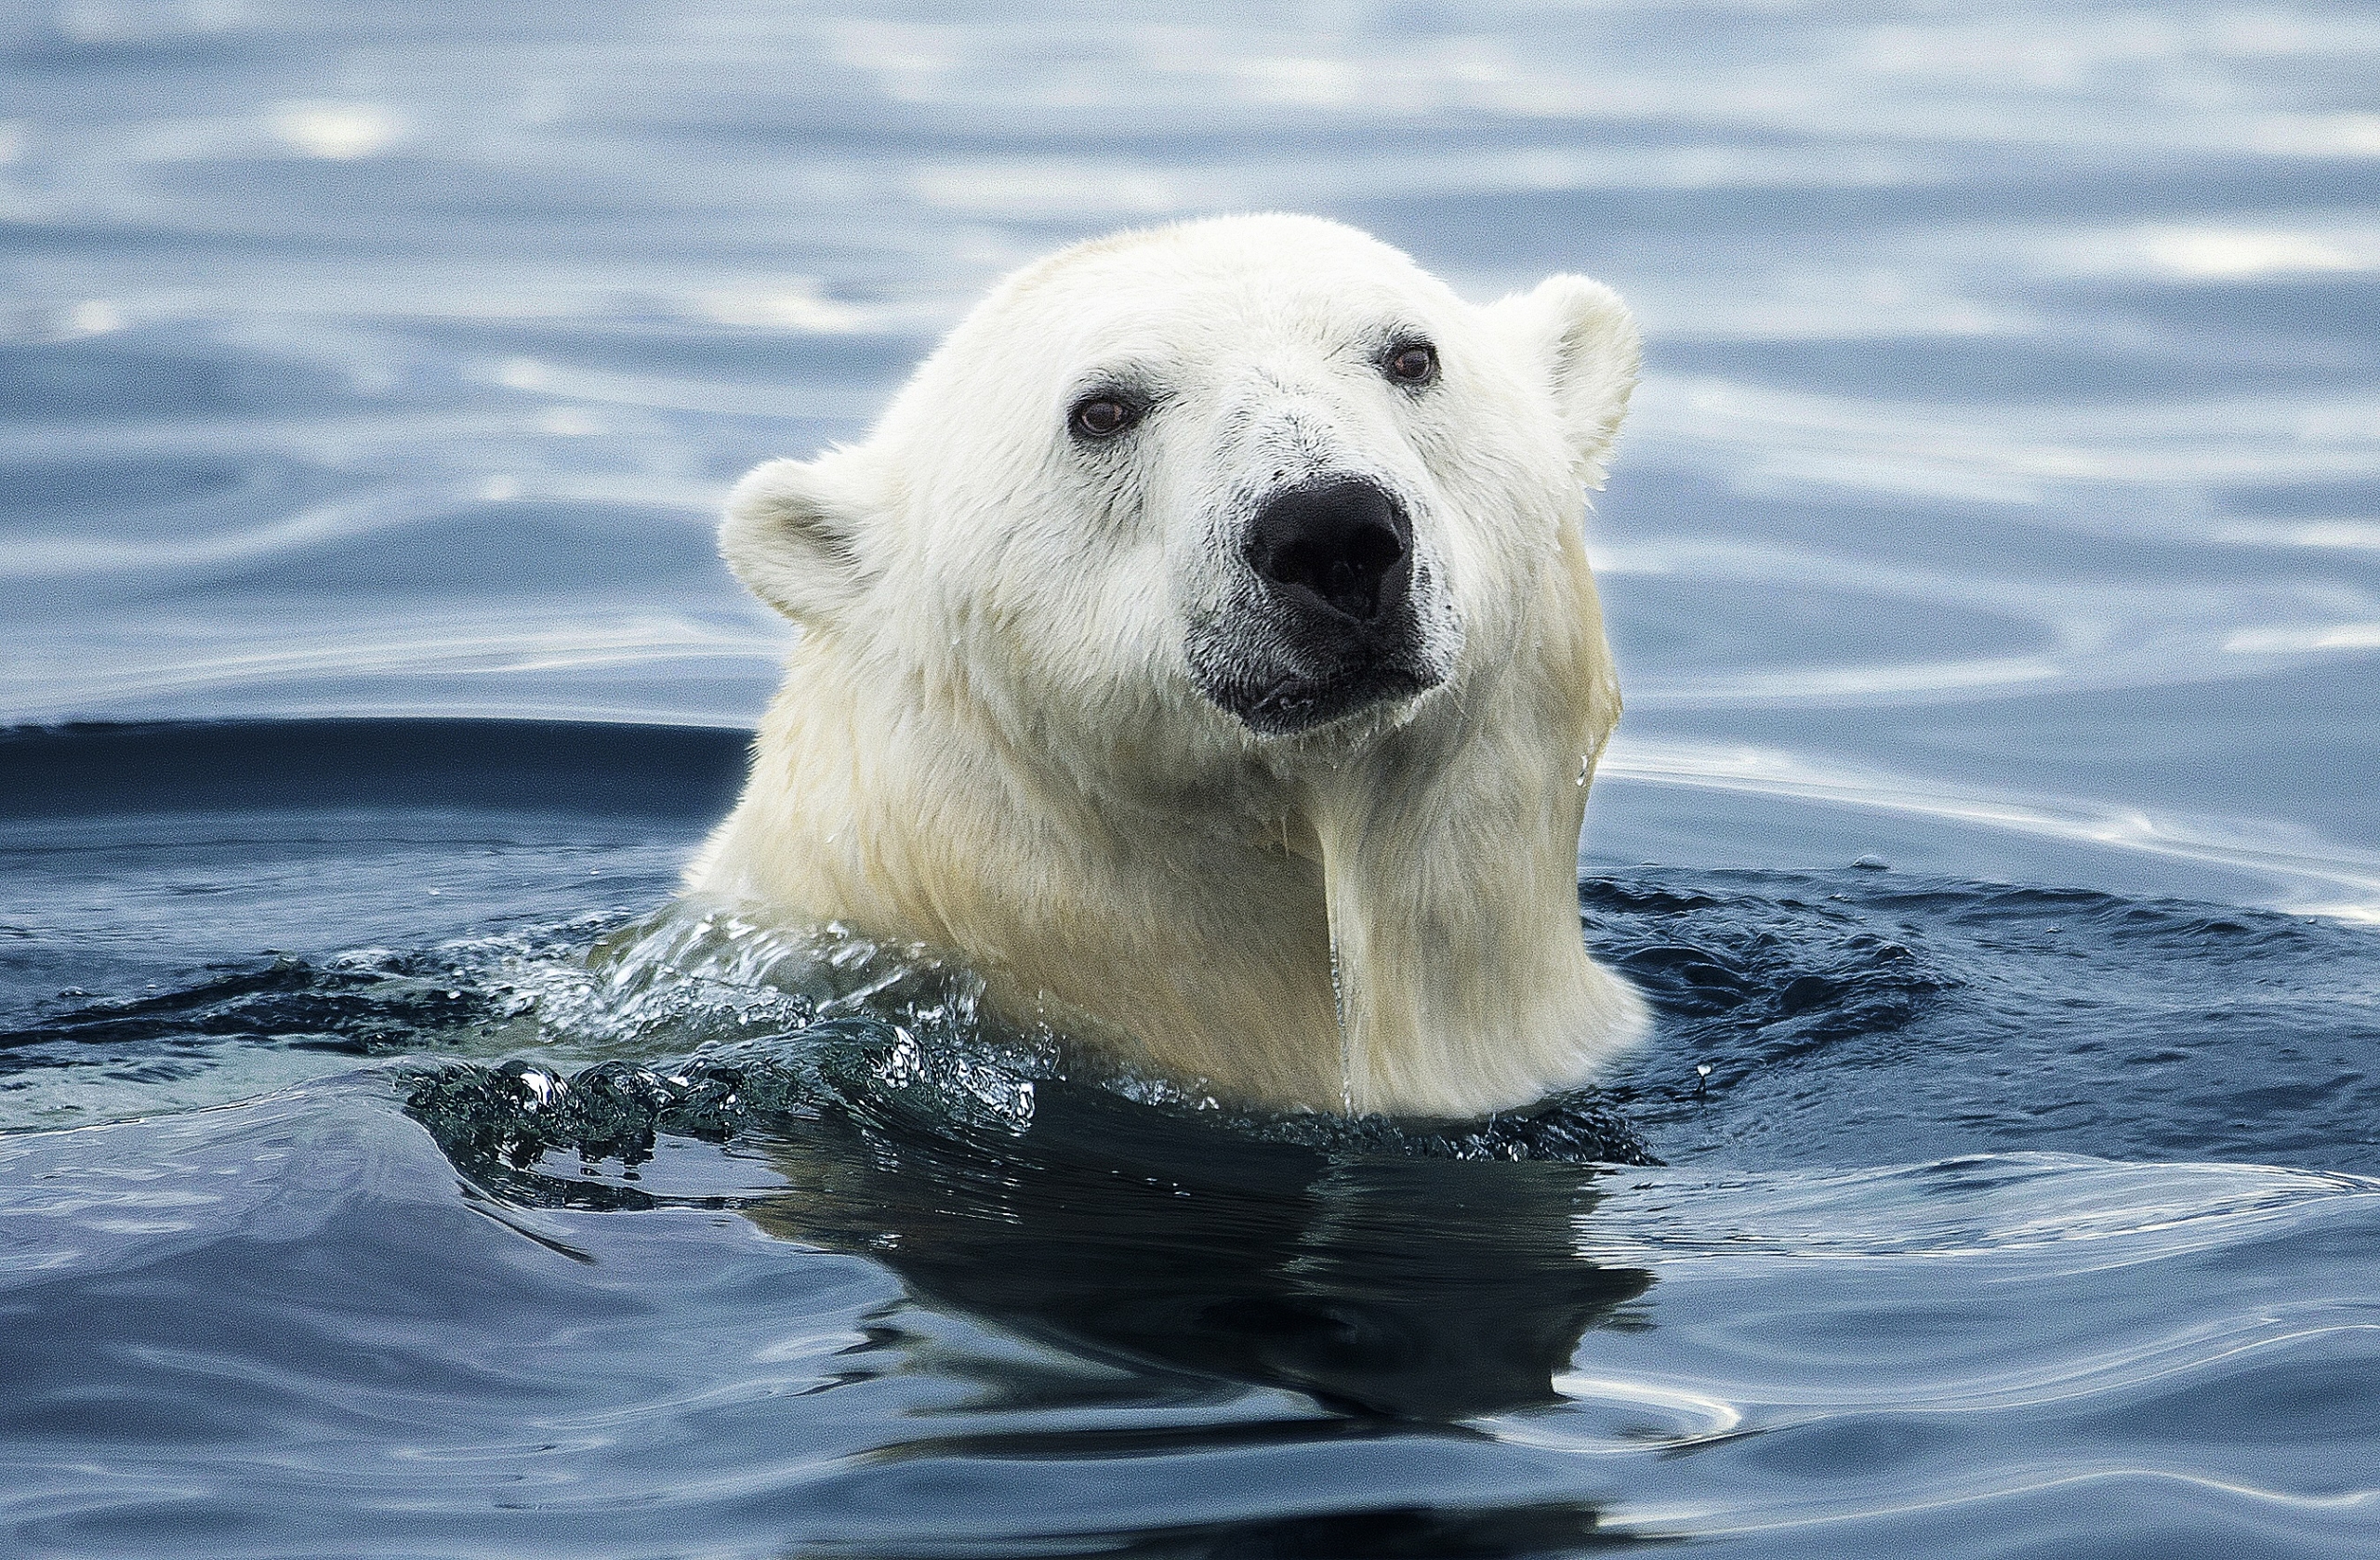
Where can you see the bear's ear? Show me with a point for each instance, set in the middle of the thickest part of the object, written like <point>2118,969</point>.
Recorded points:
<point>792,535</point>
<point>1584,338</point>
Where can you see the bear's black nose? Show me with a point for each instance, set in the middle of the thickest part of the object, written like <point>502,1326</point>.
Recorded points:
<point>1342,544</point>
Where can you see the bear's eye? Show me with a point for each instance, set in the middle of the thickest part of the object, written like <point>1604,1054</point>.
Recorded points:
<point>1411,362</point>
<point>1103,416</point>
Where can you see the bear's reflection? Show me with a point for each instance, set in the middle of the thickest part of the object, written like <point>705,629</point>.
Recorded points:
<point>1414,1288</point>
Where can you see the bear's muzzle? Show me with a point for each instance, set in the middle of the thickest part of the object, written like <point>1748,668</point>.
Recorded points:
<point>1323,624</point>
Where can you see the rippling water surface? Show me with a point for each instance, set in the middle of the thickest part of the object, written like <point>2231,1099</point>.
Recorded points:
<point>1994,564</point>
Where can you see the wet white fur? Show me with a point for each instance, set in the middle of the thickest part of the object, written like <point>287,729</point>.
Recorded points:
<point>989,740</point>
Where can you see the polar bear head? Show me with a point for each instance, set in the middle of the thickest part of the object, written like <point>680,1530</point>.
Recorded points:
<point>1253,482</point>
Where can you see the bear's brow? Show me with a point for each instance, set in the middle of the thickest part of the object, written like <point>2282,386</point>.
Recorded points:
<point>1396,333</point>
<point>1129,377</point>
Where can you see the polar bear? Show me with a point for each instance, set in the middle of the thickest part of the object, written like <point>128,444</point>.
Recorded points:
<point>1202,648</point>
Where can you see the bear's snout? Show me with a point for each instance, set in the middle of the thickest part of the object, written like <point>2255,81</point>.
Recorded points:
<point>1327,621</point>
<point>1341,546</point>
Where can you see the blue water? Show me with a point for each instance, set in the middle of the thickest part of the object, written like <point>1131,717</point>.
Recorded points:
<point>1993,561</point>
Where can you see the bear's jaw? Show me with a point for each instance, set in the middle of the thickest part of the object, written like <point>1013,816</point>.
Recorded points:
<point>1297,706</point>
<point>1279,679</point>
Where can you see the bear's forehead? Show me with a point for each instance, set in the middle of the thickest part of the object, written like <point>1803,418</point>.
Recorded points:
<point>1219,276</point>
<point>1205,318</point>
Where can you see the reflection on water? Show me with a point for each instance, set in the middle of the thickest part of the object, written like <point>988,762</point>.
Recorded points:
<point>1420,1289</point>
<point>1418,1286</point>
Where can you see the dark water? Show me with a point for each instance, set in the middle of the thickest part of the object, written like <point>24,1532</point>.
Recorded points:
<point>384,1169</point>
<point>518,1219</point>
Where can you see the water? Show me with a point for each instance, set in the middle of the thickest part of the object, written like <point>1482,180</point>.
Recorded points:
<point>381,1168</point>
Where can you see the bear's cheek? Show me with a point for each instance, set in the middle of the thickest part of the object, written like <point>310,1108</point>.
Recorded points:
<point>1475,586</point>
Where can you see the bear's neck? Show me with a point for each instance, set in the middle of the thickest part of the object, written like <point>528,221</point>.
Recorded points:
<point>1436,868</point>
<point>1449,877</point>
